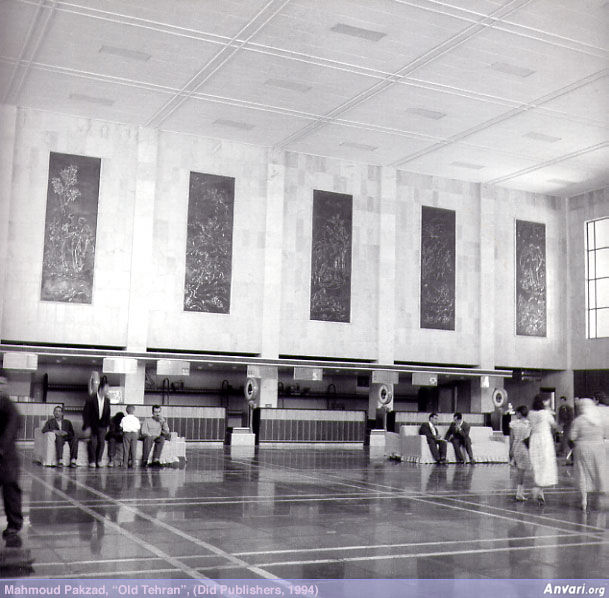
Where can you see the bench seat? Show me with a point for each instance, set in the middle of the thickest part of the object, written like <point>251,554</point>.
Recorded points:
<point>488,446</point>
<point>44,450</point>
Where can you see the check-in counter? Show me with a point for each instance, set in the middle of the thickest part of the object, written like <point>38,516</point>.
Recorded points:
<point>200,424</point>
<point>309,427</point>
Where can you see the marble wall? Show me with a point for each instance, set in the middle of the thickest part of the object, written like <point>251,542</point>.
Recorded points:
<point>138,288</point>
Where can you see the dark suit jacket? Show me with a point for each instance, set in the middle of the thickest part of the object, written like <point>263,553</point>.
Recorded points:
<point>460,434</point>
<point>425,430</point>
<point>66,425</point>
<point>91,417</point>
<point>10,422</point>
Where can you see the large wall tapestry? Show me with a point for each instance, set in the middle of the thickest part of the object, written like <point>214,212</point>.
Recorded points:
<point>331,259</point>
<point>437,268</point>
<point>530,278</point>
<point>209,243</point>
<point>70,228</point>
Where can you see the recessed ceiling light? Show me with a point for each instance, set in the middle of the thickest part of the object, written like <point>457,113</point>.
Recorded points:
<point>542,137</point>
<point>235,124</point>
<point>125,53</point>
<point>425,113</point>
<point>359,146</point>
<point>291,85</point>
<point>468,165</point>
<point>369,34</point>
<point>511,69</point>
<point>81,97</point>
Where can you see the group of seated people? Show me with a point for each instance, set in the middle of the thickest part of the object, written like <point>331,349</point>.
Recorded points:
<point>121,432</point>
<point>457,434</point>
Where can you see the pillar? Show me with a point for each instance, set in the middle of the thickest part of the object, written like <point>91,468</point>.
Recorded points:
<point>482,393</point>
<point>267,377</point>
<point>273,248</point>
<point>141,263</point>
<point>8,128</point>
<point>387,267</point>
<point>133,385</point>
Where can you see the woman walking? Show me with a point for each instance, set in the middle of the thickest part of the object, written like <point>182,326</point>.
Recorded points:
<point>520,430</point>
<point>589,454</point>
<point>541,447</point>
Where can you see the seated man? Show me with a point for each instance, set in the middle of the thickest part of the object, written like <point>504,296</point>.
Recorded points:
<point>437,445</point>
<point>64,432</point>
<point>154,431</point>
<point>458,435</point>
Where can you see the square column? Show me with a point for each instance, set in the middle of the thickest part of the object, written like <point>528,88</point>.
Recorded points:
<point>387,267</point>
<point>266,377</point>
<point>8,127</point>
<point>273,248</point>
<point>142,250</point>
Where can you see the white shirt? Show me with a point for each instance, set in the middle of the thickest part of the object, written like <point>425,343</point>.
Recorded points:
<point>433,429</point>
<point>100,405</point>
<point>130,423</point>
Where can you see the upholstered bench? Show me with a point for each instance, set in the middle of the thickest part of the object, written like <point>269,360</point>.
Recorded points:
<point>44,450</point>
<point>488,446</point>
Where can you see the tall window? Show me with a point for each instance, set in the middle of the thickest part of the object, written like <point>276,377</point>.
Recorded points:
<point>597,278</point>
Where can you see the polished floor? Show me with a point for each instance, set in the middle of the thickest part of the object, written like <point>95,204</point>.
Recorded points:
<point>314,514</point>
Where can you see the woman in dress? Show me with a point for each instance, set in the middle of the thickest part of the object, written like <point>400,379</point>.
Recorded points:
<point>589,454</point>
<point>541,447</point>
<point>520,430</point>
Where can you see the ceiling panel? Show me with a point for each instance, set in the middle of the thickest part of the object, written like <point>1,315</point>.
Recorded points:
<point>586,21</point>
<point>225,18</point>
<point>216,119</point>
<point>589,102</point>
<point>356,144</point>
<point>305,26</point>
<point>89,45</point>
<point>15,20</point>
<point>459,161</point>
<point>431,113</point>
<point>539,136</point>
<point>71,95</point>
<point>538,68</point>
<point>285,83</point>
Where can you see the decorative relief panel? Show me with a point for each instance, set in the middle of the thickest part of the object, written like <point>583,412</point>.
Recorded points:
<point>530,278</point>
<point>70,228</point>
<point>438,268</point>
<point>331,257</point>
<point>209,243</point>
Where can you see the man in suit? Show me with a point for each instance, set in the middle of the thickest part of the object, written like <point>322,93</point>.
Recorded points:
<point>64,432</point>
<point>96,417</point>
<point>10,421</point>
<point>458,435</point>
<point>437,445</point>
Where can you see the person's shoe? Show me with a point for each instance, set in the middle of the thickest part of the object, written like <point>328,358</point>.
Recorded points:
<point>9,531</point>
<point>144,465</point>
<point>520,497</point>
<point>60,463</point>
<point>91,465</point>
<point>73,463</point>
<point>98,465</point>
<point>13,541</point>
<point>156,464</point>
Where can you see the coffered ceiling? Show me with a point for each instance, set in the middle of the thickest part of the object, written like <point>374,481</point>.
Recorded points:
<point>508,92</point>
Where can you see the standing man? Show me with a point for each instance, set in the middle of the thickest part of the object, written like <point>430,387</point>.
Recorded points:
<point>96,417</point>
<point>64,432</point>
<point>154,431</point>
<point>437,445</point>
<point>565,420</point>
<point>10,420</point>
<point>458,435</point>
